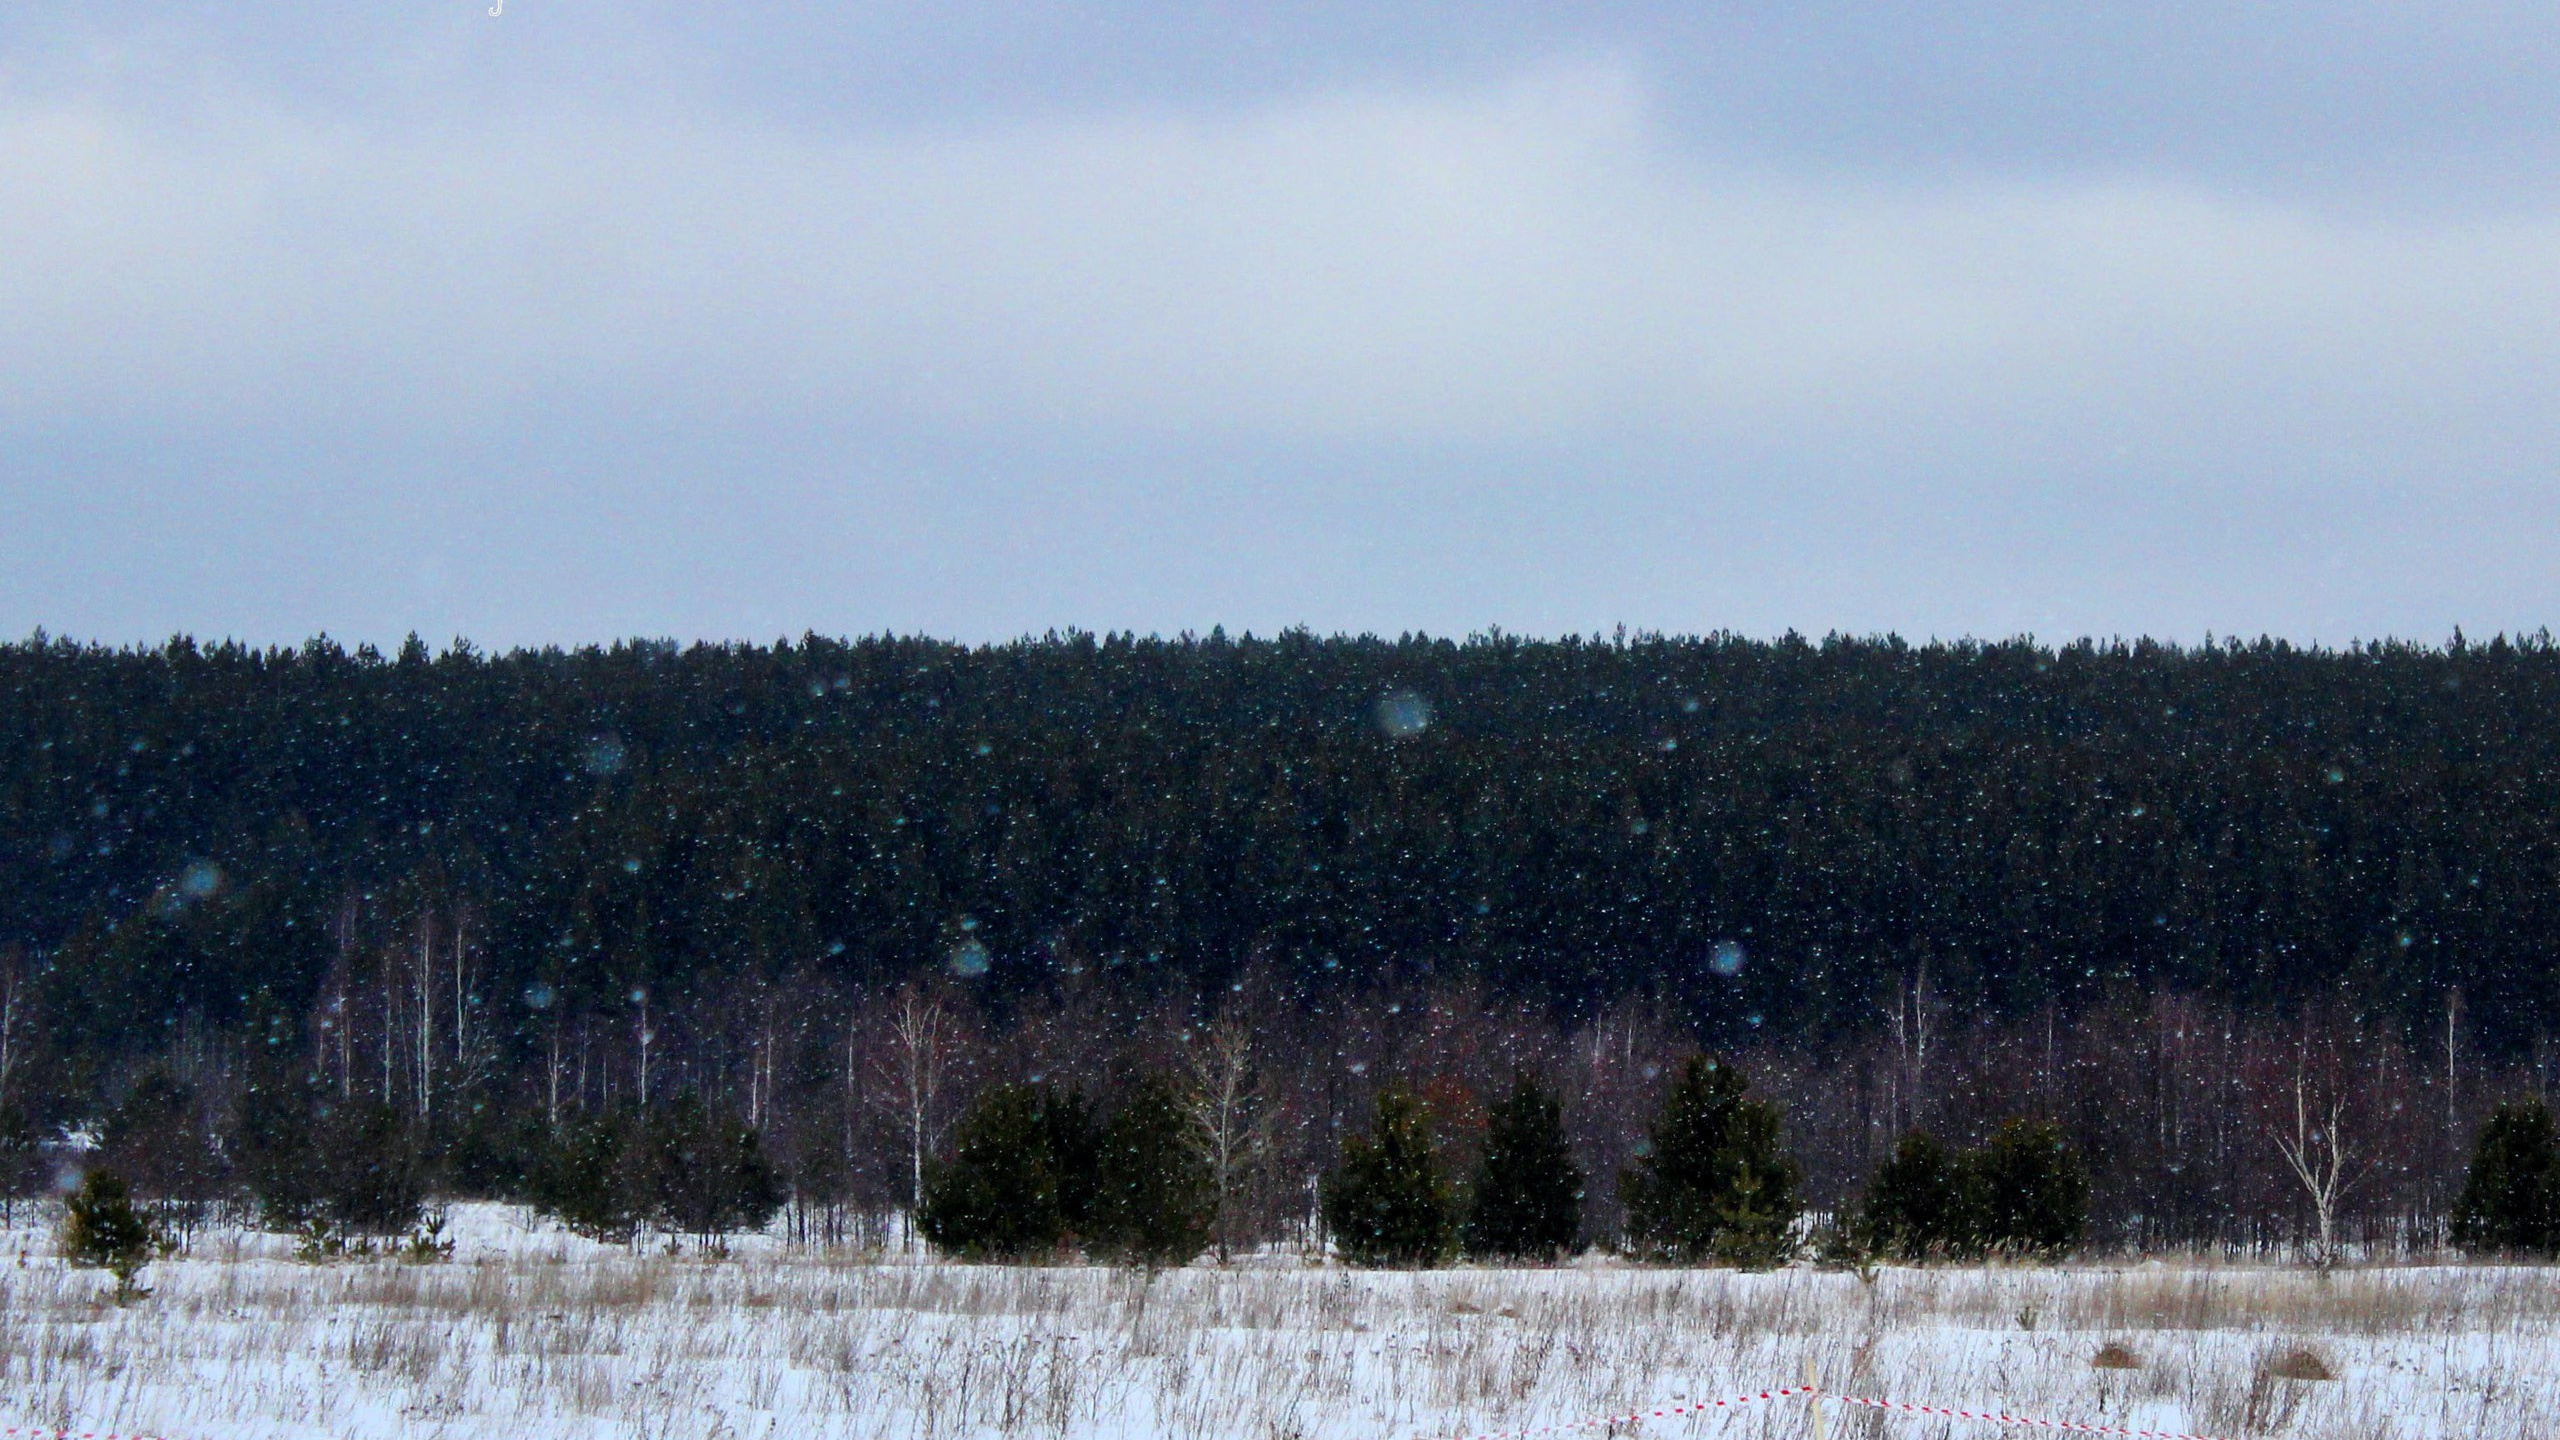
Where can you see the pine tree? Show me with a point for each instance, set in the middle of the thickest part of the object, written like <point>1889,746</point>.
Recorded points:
<point>101,1230</point>
<point>1528,1192</point>
<point>1713,1183</point>
<point>583,1179</point>
<point>1156,1196</point>
<point>1388,1204</point>
<point>1073,1138</point>
<point>997,1197</point>
<point>2030,1190</point>
<point>373,1184</point>
<point>2510,1202</point>
<point>708,1174</point>
<point>1915,1208</point>
<point>21,1153</point>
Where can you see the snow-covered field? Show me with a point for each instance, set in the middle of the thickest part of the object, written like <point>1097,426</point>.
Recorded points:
<point>527,1332</point>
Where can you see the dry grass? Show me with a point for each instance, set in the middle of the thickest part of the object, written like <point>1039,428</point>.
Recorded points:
<point>547,1337</point>
<point>2112,1356</point>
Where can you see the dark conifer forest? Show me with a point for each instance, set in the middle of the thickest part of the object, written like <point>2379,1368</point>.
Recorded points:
<point>2133,887</point>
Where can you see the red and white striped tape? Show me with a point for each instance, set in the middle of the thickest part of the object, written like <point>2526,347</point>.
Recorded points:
<point>73,1434</point>
<point>1994,1418</point>
<point>1708,1407</point>
<point>1703,1407</point>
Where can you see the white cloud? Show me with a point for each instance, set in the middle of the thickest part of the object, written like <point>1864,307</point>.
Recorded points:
<point>1523,260</point>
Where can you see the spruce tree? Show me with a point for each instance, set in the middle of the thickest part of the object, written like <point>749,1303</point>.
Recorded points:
<point>1388,1203</point>
<point>1156,1198</point>
<point>101,1230</point>
<point>2510,1202</point>
<point>2029,1191</point>
<point>1713,1183</point>
<point>1528,1192</point>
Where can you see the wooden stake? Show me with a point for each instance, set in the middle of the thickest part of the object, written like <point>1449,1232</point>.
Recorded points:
<point>1813,1397</point>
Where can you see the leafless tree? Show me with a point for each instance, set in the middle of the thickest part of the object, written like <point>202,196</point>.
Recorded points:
<point>921,1031</point>
<point>647,1035</point>
<point>1234,1122</point>
<point>2314,1138</point>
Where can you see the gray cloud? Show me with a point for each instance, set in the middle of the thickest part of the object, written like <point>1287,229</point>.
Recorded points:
<point>1507,261</point>
<point>1525,345</point>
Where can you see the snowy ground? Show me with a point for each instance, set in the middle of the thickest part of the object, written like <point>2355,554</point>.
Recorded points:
<point>528,1332</point>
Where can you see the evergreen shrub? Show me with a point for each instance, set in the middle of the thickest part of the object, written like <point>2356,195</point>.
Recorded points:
<point>1000,1196</point>
<point>1916,1206</point>
<point>583,1178</point>
<point>2024,1194</point>
<point>1713,1183</point>
<point>101,1230</point>
<point>2510,1202</point>
<point>1527,1201</point>
<point>707,1175</point>
<point>1388,1202</point>
<point>2032,1191</point>
<point>1155,1196</point>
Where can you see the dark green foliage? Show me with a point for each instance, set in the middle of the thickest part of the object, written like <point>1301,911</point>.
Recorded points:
<point>370,1168</point>
<point>1073,1136</point>
<point>316,1161</point>
<point>1156,1196</point>
<point>588,1178</point>
<point>1917,1206</point>
<point>160,1141</point>
<point>495,1153</point>
<point>1388,1203</point>
<point>101,1230</point>
<point>201,840</point>
<point>648,814</point>
<point>2033,1191</point>
<point>1001,1195</point>
<point>2510,1202</point>
<point>21,1161</point>
<point>2024,1194</point>
<point>1713,1183</point>
<point>708,1174</point>
<point>1527,1200</point>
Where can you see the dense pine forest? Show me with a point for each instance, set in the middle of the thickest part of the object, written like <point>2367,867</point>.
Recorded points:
<point>2133,887</point>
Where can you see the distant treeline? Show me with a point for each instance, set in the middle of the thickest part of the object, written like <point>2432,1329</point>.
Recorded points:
<point>195,835</point>
<point>437,870</point>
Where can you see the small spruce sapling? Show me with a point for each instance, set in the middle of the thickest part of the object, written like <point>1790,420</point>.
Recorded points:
<point>584,1179</point>
<point>2031,1191</point>
<point>102,1230</point>
<point>1916,1206</point>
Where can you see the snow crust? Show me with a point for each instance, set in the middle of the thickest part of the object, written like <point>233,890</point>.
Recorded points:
<point>530,1331</point>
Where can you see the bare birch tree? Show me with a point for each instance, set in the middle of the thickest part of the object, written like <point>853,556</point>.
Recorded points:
<point>1233,1122</point>
<point>920,1036</point>
<point>2315,1143</point>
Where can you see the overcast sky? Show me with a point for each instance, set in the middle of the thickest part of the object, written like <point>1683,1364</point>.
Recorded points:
<point>982,319</point>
